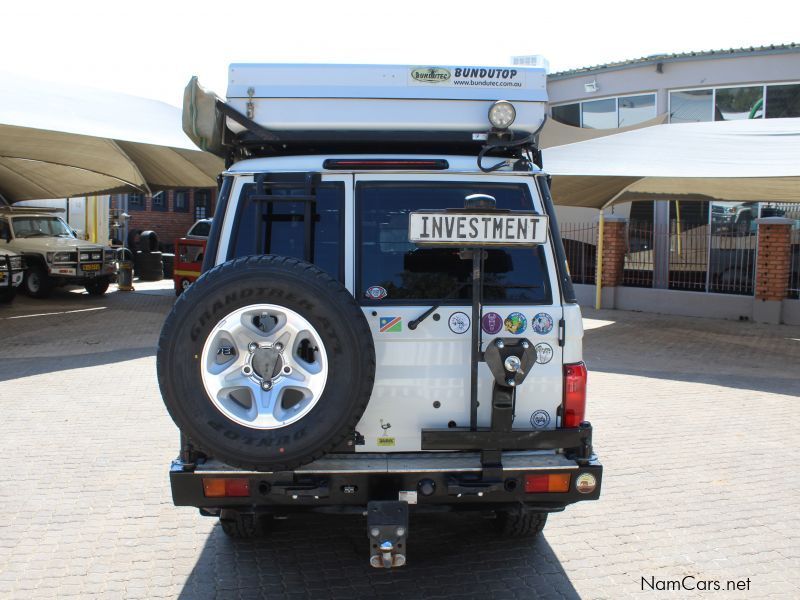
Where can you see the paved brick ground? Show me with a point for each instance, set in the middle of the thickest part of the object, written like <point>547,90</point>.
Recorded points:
<point>694,423</point>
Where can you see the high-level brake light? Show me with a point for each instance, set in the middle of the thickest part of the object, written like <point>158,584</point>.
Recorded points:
<point>574,394</point>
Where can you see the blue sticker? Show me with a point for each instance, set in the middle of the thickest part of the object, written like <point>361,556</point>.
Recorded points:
<point>542,323</point>
<point>515,322</point>
<point>540,419</point>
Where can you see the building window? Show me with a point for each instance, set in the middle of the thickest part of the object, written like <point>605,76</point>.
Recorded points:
<point>691,106</point>
<point>569,114</point>
<point>160,201</point>
<point>180,202</point>
<point>731,104</point>
<point>599,114</point>
<point>783,101</point>
<point>636,109</point>
<point>135,201</point>
<point>202,204</point>
<point>607,113</point>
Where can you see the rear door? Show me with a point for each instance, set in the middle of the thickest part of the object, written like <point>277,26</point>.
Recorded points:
<point>423,373</point>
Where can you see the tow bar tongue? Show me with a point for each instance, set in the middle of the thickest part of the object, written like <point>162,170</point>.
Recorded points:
<point>387,527</point>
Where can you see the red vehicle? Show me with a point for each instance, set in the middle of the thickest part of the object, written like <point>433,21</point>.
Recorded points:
<point>188,262</point>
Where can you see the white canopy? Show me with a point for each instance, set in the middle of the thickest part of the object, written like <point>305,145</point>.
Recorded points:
<point>61,141</point>
<point>755,159</point>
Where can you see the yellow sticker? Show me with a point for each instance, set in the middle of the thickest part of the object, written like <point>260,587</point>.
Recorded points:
<point>385,441</point>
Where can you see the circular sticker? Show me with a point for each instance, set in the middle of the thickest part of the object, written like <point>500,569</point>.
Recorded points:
<point>376,292</point>
<point>515,322</point>
<point>542,323</point>
<point>540,419</point>
<point>492,323</point>
<point>544,353</point>
<point>458,322</point>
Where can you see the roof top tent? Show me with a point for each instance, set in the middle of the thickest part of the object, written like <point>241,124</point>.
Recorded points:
<point>308,109</point>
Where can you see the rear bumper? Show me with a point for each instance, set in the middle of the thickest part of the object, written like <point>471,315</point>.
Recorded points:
<point>432,480</point>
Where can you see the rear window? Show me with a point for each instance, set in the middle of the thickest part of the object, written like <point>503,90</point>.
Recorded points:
<point>279,227</point>
<point>387,259</point>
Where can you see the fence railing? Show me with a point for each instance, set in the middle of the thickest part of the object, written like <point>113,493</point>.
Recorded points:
<point>700,257</point>
<point>580,246</point>
<point>791,211</point>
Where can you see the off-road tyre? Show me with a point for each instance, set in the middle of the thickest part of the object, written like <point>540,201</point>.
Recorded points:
<point>517,523</point>
<point>37,282</point>
<point>148,241</point>
<point>168,260</point>
<point>98,286</point>
<point>149,266</point>
<point>297,286</point>
<point>244,526</point>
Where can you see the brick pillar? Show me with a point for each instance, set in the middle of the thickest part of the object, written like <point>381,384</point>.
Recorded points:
<point>615,245</point>
<point>772,268</point>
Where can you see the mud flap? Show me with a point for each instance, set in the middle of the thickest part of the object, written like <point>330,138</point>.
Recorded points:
<point>387,528</point>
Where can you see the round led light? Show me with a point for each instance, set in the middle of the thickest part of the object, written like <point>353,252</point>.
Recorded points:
<point>585,483</point>
<point>502,114</point>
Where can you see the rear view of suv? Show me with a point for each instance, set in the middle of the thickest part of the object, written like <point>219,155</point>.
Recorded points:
<point>381,330</point>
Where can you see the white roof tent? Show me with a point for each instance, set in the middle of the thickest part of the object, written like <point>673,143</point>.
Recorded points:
<point>275,109</point>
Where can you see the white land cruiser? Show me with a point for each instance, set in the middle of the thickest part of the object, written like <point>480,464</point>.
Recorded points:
<point>385,323</point>
<point>53,254</point>
<point>12,270</point>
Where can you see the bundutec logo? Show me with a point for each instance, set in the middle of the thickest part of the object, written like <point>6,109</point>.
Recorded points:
<point>430,74</point>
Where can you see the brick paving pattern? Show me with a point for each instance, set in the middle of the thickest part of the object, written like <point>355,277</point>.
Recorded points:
<point>694,422</point>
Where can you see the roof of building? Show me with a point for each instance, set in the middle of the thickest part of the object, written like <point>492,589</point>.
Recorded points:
<point>678,56</point>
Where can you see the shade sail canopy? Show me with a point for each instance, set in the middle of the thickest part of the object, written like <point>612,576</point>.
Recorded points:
<point>59,141</point>
<point>755,159</point>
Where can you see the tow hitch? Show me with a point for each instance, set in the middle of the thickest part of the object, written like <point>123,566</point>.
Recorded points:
<point>387,527</point>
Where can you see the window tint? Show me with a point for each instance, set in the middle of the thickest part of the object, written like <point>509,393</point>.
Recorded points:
<point>569,114</point>
<point>280,225</point>
<point>407,272</point>
<point>739,103</point>
<point>690,107</point>
<point>783,101</point>
<point>600,114</point>
<point>201,228</point>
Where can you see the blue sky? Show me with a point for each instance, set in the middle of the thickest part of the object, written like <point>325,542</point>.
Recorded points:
<point>151,48</point>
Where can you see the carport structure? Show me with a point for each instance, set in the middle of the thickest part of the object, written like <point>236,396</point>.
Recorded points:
<point>60,141</point>
<point>752,160</point>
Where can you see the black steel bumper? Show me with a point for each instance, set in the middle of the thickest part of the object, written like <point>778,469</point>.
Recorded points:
<point>427,480</point>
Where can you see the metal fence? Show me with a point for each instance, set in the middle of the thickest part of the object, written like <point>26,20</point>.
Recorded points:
<point>792,211</point>
<point>701,257</point>
<point>580,245</point>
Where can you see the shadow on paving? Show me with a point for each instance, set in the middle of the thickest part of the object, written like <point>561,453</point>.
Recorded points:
<point>15,368</point>
<point>325,556</point>
<point>715,352</point>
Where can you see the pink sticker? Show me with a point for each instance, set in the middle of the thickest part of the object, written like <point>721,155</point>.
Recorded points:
<point>376,292</point>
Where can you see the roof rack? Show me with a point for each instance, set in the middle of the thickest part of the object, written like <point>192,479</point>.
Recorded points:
<point>275,110</point>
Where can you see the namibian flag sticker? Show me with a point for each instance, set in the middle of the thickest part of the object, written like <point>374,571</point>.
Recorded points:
<point>391,324</point>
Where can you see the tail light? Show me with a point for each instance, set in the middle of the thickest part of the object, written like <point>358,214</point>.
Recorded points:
<point>233,487</point>
<point>552,482</point>
<point>574,394</point>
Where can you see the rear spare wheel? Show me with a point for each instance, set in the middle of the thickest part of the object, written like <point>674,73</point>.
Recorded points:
<point>266,362</point>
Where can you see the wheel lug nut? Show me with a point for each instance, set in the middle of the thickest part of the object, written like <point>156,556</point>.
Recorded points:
<point>247,370</point>
<point>252,347</point>
<point>266,385</point>
<point>278,347</point>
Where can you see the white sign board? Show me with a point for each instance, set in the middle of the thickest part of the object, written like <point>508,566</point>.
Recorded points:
<point>477,229</point>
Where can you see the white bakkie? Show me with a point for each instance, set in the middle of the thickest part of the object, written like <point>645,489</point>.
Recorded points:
<point>385,323</point>
<point>53,253</point>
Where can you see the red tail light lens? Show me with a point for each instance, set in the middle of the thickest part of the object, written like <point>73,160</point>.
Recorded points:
<point>574,394</point>
<point>218,487</point>
<point>554,482</point>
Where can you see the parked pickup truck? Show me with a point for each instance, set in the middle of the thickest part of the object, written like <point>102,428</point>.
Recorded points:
<point>385,323</point>
<point>54,255</point>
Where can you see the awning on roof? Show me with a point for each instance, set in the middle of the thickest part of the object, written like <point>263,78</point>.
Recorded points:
<point>755,159</point>
<point>59,141</point>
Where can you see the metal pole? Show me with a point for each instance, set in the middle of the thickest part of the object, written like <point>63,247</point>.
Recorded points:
<point>477,301</point>
<point>599,278</point>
